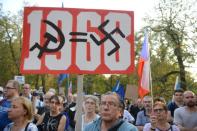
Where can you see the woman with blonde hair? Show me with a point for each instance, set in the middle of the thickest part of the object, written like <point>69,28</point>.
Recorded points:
<point>90,107</point>
<point>21,115</point>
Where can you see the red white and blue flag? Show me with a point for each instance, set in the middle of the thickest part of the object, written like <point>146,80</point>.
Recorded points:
<point>144,69</point>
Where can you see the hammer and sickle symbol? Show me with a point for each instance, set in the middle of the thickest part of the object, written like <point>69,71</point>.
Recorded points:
<point>49,38</point>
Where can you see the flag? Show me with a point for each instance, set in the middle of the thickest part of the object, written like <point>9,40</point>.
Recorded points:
<point>144,69</point>
<point>61,78</point>
<point>62,5</point>
<point>119,89</point>
<point>70,88</point>
<point>177,85</point>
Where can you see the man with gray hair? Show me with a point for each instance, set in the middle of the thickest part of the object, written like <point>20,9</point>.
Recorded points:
<point>110,112</point>
<point>11,91</point>
<point>143,116</point>
<point>186,117</point>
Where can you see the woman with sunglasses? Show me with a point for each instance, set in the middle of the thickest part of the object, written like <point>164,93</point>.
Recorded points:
<point>158,118</point>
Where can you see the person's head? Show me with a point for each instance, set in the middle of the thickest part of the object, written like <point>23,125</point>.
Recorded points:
<point>75,98</point>
<point>52,90</point>
<point>178,95</point>
<point>138,103</point>
<point>55,104</point>
<point>160,110</point>
<point>21,108</point>
<point>11,89</point>
<point>26,90</point>
<point>110,109</point>
<point>126,102</point>
<point>62,102</point>
<point>147,102</point>
<point>189,99</point>
<point>70,98</point>
<point>159,99</point>
<point>47,97</point>
<point>91,104</point>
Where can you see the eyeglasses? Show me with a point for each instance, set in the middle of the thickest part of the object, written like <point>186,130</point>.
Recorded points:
<point>158,110</point>
<point>110,104</point>
<point>9,87</point>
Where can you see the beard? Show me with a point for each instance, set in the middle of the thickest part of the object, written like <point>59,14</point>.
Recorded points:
<point>191,104</point>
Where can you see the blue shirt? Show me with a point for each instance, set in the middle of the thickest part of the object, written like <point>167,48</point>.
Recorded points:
<point>4,106</point>
<point>142,118</point>
<point>172,106</point>
<point>96,126</point>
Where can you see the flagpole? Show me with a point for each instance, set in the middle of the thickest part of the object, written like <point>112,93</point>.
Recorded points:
<point>150,76</point>
<point>151,86</point>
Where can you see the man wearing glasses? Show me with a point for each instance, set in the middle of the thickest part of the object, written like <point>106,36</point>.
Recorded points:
<point>110,112</point>
<point>11,91</point>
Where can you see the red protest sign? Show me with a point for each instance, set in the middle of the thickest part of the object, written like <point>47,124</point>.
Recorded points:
<point>81,41</point>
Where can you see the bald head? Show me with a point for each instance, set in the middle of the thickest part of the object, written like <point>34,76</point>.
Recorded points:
<point>189,99</point>
<point>188,92</point>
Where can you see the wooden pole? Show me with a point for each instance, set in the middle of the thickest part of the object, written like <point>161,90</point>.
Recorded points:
<point>78,114</point>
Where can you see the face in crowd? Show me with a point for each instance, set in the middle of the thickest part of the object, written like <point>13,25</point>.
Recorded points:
<point>26,89</point>
<point>46,98</point>
<point>55,104</point>
<point>147,101</point>
<point>160,111</point>
<point>178,96</point>
<point>21,108</point>
<point>11,88</point>
<point>139,103</point>
<point>189,99</point>
<point>110,109</point>
<point>90,104</point>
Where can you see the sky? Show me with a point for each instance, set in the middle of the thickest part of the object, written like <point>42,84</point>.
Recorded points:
<point>140,10</point>
<point>132,5</point>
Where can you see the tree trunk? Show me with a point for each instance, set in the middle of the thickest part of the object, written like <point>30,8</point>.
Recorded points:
<point>181,66</point>
<point>43,82</point>
<point>36,83</point>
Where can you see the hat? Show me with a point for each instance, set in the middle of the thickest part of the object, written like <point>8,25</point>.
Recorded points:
<point>1,88</point>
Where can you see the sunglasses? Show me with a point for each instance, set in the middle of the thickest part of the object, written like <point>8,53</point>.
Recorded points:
<point>158,110</point>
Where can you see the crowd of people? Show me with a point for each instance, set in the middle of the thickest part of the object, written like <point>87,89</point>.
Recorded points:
<point>24,110</point>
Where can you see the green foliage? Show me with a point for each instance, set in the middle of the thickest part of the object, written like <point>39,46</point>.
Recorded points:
<point>166,24</point>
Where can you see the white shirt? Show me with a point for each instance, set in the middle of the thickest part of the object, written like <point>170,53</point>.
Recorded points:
<point>128,117</point>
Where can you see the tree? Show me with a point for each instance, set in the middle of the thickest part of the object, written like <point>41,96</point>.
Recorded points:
<point>174,33</point>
